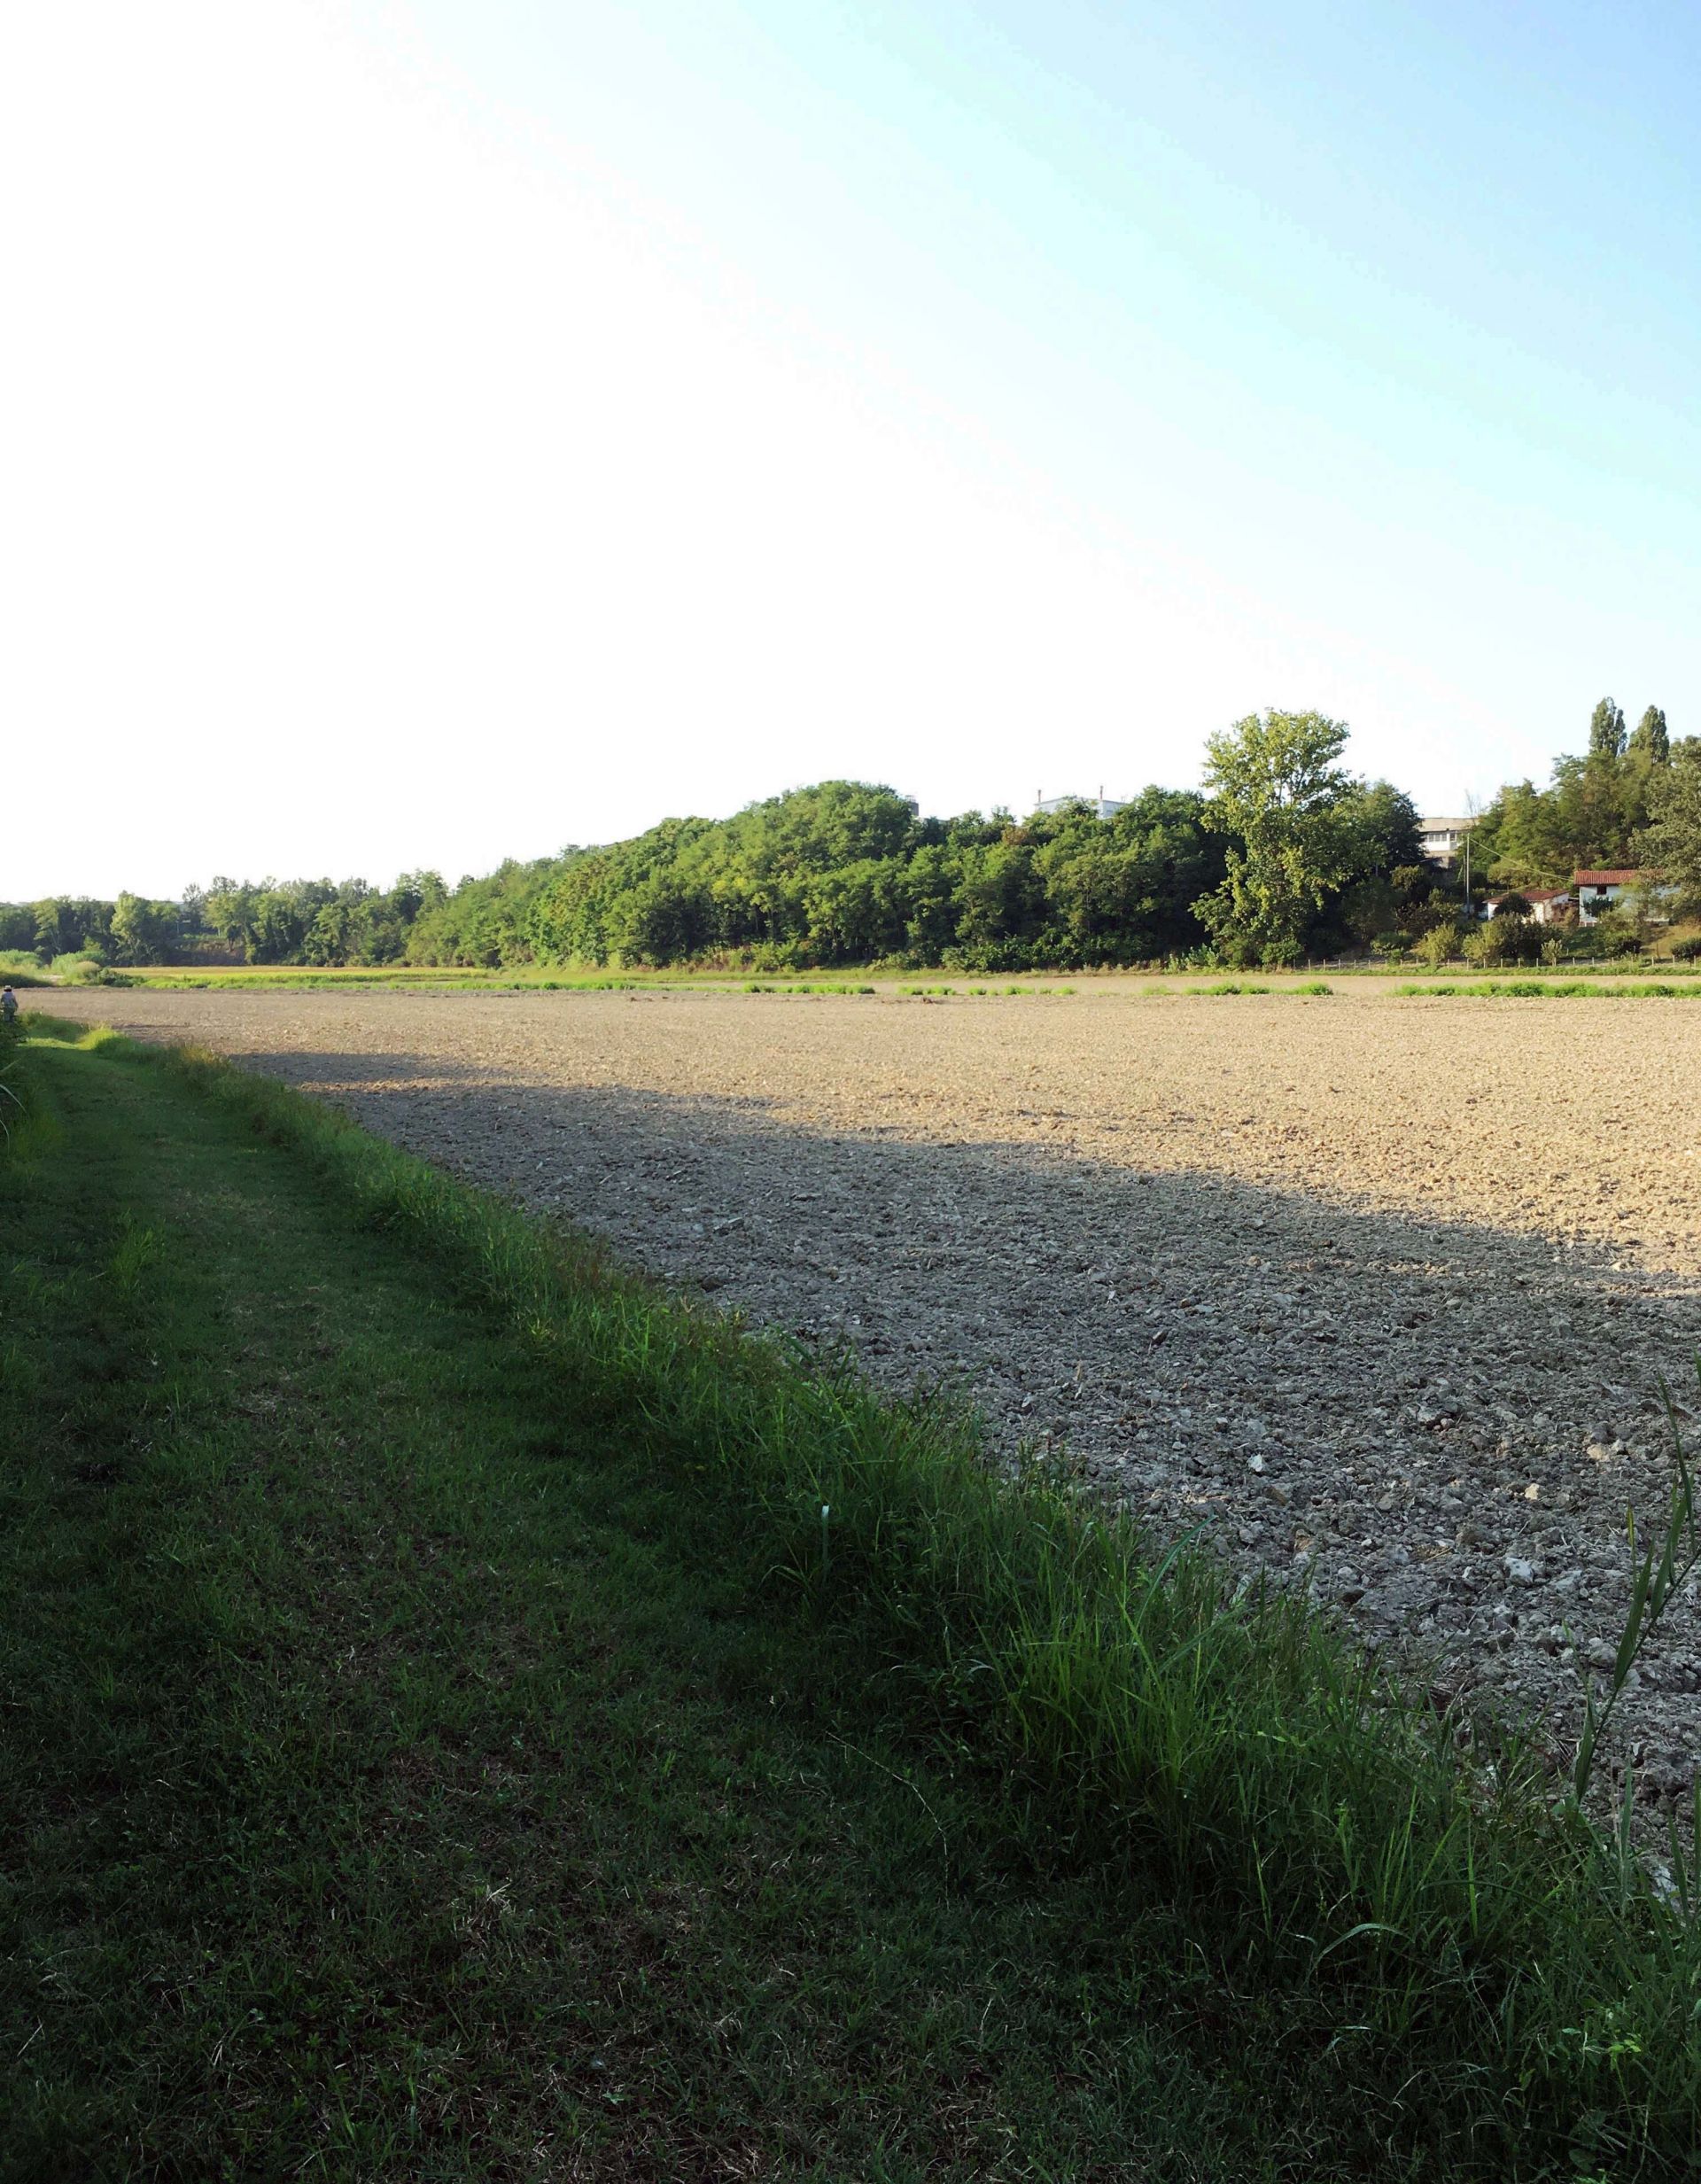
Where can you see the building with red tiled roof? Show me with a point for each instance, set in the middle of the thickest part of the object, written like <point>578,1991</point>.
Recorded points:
<point>1599,891</point>
<point>1548,905</point>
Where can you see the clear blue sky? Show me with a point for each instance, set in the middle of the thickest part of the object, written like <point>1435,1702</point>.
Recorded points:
<point>518,421</point>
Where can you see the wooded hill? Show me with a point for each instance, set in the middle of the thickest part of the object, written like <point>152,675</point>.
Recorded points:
<point>1282,855</point>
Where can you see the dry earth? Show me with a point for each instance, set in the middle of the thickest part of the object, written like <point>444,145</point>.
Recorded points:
<point>1381,1291</point>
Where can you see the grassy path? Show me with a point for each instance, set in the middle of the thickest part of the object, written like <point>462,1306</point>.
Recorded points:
<point>401,1781</point>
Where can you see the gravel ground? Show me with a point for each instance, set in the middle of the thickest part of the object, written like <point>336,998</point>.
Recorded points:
<point>1380,1291</point>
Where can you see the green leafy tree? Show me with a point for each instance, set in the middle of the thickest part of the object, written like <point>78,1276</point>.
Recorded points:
<point>1387,872</point>
<point>1512,935</point>
<point>1441,943</point>
<point>1123,890</point>
<point>1652,739</point>
<point>1592,811</point>
<point>929,892</point>
<point>1000,905</point>
<point>1606,737</point>
<point>1277,793</point>
<point>856,913</point>
<point>73,925</point>
<point>416,892</point>
<point>18,930</point>
<point>1672,843</point>
<point>143,932</point>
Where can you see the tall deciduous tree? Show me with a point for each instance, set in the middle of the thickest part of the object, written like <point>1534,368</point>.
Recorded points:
<point>143,932</point>
<point>1278,794</point>
<point>1606,731</point>
<point>1652,739</point>
<point>1673,843</point>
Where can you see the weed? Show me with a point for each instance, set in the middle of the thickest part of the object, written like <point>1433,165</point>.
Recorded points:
<point>1664,1567</point>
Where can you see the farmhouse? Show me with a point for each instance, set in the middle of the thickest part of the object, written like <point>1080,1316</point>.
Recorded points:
<point>1597,892</point>
<point>1548,905</point>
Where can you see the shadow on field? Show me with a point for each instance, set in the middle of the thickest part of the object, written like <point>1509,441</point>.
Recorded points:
<point>1401,1408</point>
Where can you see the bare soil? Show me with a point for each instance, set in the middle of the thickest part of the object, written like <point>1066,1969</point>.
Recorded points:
<point>1380,1291</point>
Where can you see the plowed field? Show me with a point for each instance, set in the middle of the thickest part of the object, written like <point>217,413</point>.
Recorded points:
<point>1379,1290</point>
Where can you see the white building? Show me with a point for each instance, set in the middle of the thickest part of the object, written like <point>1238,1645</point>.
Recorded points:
<point>1597,892</point>
<point>1548,905</point>
<point>1101,805</point>
<point>1442,839</point>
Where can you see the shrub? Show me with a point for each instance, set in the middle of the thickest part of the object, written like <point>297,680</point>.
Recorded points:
<point>1617,934</point>
<point>20,967</point>
<point>76,970</point>
<point>1439,944</point>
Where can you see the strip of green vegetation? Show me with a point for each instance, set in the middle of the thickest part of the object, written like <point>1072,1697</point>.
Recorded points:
<point>471,1714</point>
<point>1232,988</point>
<point>462,981</point>
<point>1634,967</point>
<point>1311,987</point>
<point>1553,990</point>
<point>758,985</point>
<point>250,982</point>
<point>1241,985</point>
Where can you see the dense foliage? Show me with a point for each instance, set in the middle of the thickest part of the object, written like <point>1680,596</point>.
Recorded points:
<point>1313,857</point>
<point>1284,854</point>
<point>1600,809</point>
<point>317,921</point>
<point>844,872</point>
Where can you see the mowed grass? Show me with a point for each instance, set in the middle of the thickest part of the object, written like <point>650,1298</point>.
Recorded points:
<point>405,1776</point>
<point>469,1716</point>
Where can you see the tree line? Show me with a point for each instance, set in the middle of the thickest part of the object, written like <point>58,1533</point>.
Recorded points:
<point>1282,854</point>
<point>1621,805</point>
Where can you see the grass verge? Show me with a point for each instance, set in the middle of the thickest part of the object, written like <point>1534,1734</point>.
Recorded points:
<point>1310,989</point>
<point>1552,989</point>
<point>466,1703</point>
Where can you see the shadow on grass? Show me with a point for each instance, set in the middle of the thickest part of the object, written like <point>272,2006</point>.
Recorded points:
<point>1398,1412</point>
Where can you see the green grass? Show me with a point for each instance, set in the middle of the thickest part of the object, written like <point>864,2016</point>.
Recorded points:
<point>1239,985</point>
<point>408,1776</point>
<point>469,1715</point>
<point>756,985</point>
<point>292,978</point>
<point>1553,989</point>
